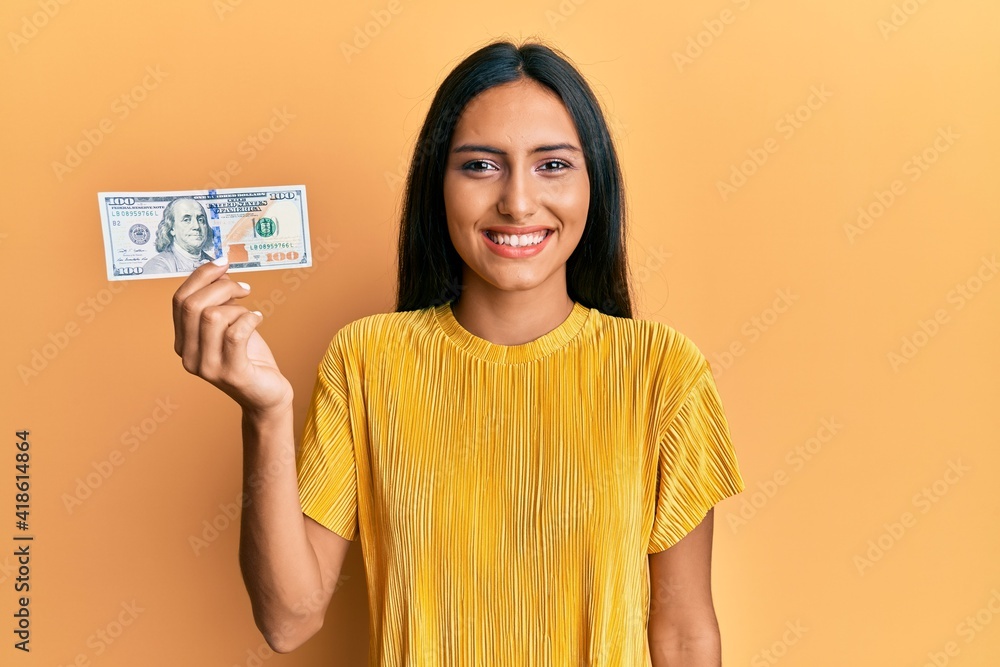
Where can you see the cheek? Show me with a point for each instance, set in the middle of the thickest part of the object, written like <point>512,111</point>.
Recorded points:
<point>573,202</point>
<point>462,204</point>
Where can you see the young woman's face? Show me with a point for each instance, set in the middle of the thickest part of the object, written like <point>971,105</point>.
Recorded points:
<point>516,163</point>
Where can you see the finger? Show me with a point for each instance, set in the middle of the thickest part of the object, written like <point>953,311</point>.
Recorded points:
<point>215,294</point>
<point>215,321</point>
<point>236,336</point>
<point>190,310</point>
<point>202,276</point>
<point>199,278</point>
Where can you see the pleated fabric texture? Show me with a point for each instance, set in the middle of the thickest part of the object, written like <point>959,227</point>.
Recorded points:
<point>507,497</point>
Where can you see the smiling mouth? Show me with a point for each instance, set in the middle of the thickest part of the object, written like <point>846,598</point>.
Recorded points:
<point>518,240</point>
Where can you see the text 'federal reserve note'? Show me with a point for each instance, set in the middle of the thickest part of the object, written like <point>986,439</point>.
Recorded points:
<point>168,234</point>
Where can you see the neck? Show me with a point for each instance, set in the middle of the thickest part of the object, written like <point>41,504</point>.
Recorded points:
<point>512,317</point>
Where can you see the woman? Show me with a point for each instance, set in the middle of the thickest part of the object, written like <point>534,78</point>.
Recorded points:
<point>531,472</point>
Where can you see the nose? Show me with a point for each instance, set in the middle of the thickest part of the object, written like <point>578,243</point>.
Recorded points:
<point>517,198</point>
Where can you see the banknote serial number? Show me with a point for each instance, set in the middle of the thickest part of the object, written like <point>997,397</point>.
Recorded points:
<point>269,246</point>
<point>137,213</point>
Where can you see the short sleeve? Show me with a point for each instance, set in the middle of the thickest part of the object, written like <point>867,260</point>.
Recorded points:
<point>327,472</point>
<point>696,467</point>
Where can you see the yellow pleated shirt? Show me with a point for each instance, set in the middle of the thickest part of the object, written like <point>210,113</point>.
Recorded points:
<point>507,497</point>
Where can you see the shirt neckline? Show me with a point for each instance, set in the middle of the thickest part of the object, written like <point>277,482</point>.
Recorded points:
<point>511,354</point>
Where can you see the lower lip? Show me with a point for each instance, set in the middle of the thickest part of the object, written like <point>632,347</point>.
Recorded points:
<point>520,251</point>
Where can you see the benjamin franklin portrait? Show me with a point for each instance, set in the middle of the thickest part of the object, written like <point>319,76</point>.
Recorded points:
<point>183,238</point>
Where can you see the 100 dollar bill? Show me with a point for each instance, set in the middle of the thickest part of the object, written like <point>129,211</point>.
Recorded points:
<point>171,233</point>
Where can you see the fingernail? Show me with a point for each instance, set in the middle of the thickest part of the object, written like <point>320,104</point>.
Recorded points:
<point>243,285</point>
<point>221,261</point>
<point>258,313</point>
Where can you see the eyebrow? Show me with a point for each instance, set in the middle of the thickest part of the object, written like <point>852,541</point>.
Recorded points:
<point>481,148</point>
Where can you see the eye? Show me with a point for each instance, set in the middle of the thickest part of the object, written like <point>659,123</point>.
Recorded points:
<point>559,163</point>
<point>468,165</point>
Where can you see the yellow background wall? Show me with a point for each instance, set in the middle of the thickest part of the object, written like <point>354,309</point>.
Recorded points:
<point>856,354</point>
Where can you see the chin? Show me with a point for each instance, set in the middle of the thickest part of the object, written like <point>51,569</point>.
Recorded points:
<point>517,283</point>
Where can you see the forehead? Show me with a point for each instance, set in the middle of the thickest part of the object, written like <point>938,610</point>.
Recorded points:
<point>519,113</point>
<point>187,207</point>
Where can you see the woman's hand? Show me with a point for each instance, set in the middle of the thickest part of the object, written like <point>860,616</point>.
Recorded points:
<point>217,340</point>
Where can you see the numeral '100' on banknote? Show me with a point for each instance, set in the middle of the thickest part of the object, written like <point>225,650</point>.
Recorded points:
<point>167,234</point>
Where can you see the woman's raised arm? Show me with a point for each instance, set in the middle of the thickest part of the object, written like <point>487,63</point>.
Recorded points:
<point>290,563</point>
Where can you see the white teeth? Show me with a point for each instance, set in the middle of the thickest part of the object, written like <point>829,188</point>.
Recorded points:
<point>517,241</point>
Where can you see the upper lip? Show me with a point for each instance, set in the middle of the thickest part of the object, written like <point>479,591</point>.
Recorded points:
<point>517,230</point>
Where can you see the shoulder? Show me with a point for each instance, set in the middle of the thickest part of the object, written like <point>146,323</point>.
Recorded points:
<point>667,363</point>
<point>664,348</point>
<point>160,263</point>
<point>384,326</point>
<point>387,332</point>
<point>673,366</point>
